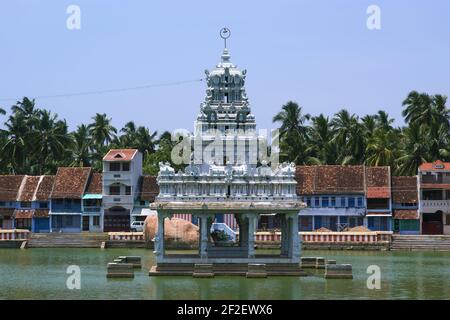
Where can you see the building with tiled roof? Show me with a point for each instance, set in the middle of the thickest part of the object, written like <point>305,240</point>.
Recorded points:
<point>9,190</point>
<point>115,155</point>
<point>434,197</point>
<point>340,197</point>
<point>405,205</point>
<point>68,188</point>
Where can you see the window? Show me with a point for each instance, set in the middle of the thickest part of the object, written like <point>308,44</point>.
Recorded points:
<point>25,204</point>
<point>316,201</point>
<point>333,201</point>
<point>114,190</point>
<point>2,203</point>
<point>114,166</point>
<point>351,202</point>
<point>360,202</point>
<point>342,202</point>
<point>43,205</point>
<point>96,221</point>
<point>127,190</point>
<point>126,166</point>
<point>447,220</point>
<point>308,201</point>
<point>325,202</point>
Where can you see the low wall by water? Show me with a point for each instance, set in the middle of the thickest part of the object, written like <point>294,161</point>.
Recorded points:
<point>14,234</point>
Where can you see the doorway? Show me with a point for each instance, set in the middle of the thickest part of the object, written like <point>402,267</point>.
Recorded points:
<point>85,223</point>
<point>432,223</point>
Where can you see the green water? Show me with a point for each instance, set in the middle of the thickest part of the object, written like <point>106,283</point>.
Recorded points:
<point>41,274</point>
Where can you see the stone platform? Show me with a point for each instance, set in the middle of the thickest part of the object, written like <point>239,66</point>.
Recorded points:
<point>225,269</point>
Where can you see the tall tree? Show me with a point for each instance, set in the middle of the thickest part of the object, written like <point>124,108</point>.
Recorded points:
<point>292,132</point>
<point>81,156</point>
<point>101,130</point>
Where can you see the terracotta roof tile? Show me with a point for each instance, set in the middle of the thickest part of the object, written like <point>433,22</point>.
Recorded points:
<point>120,155</point>
<point>28,188</point>
<point>149,188</point>
<point>9,187</point>
<point>378,182</point>
<point>435,166</point>
<point>95,184</point>
<point>405,214</point>
<point>332,179</point>
<point>23,213</point>
<point>404,189</point>
<point>41,213</point>
<point>45,188</point>
<point>70,182</point>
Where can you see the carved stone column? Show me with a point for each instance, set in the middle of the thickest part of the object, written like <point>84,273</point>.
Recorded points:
<point>159,237</point>
<point>295,241</point>
<point>284,235</point>
<point>252,224</point>
<point>204,234</point>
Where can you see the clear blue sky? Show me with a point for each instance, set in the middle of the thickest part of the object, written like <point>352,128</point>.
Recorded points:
<point>318,53</point>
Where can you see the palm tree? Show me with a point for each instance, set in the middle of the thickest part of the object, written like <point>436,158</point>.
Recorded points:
<point>417,107</point>
<point>382,148</point>
<point>320,148</point>
<point>2,111</point>
<point>292,132</point>
<point>415,150</point>
<point>13,148</point>
<point>80,151</point>
<point>349,137</point>
<point>50,140</point>
<point>383,121</point>
<point>101,130</point>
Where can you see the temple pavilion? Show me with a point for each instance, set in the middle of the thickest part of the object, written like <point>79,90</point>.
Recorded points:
<point>225,175</point>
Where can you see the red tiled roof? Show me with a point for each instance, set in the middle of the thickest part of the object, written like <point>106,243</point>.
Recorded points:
<point>45,188</point>
<point>70,182</point>
<point>9,187</point>
<point>6,212</point>
<point>149,188</point>
<point>378,182</point>
<point>95,184</point>
<point>120,155</point>
<point>23,213</point>
<point>41,213</point>
<point>28,188</point>
<point>404,189</point>
<point>405,214</point>
<point>435,166</point>
<point>332,179</point>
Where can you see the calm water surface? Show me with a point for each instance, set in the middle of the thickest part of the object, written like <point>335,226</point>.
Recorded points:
<point>41,274</point>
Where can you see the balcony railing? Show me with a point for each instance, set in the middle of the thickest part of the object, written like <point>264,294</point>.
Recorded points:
<point>435,205</point>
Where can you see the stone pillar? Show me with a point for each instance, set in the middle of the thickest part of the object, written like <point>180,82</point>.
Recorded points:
<point>284,235</point>
<point>203,236</point>
<point>252,223</point>
<point>159,238</point>
<point>295,241</point>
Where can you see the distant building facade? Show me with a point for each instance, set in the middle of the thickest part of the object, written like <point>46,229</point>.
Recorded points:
<point>434,197</point>
<point>122,170</point>
<point>405,205</point>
